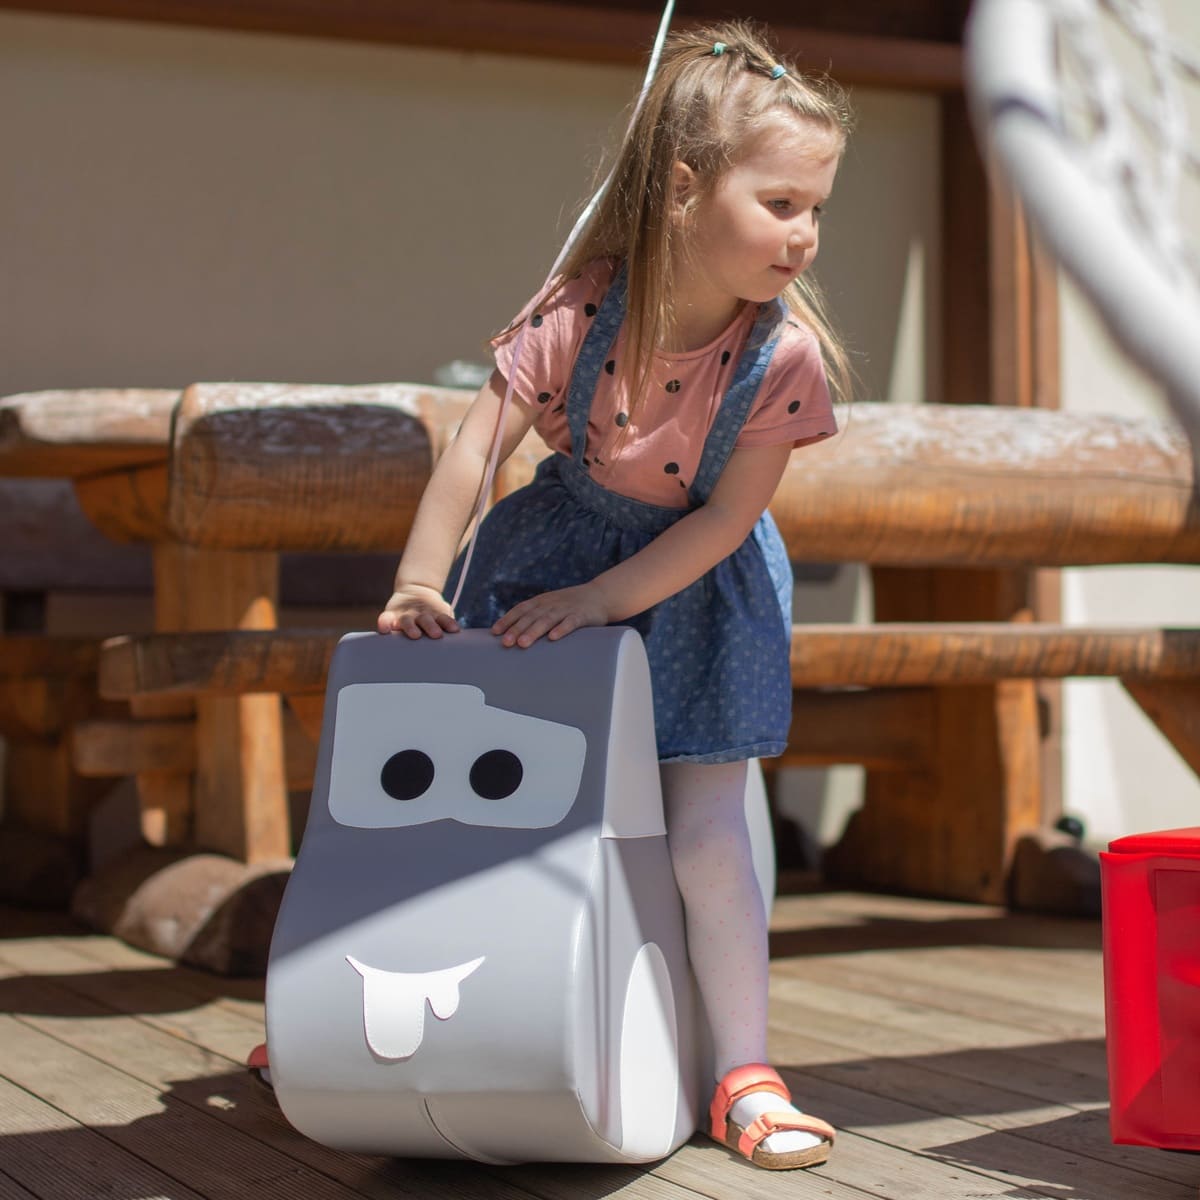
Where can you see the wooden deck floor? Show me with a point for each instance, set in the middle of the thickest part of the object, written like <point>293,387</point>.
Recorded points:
<point>959,1050</point>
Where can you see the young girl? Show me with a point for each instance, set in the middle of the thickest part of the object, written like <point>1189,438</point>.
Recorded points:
<point>672,368</point>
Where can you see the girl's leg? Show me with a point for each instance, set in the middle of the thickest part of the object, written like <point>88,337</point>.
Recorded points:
<point>705,808</point>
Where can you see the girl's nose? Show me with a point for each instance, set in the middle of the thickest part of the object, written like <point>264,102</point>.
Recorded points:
<point>803,234</point>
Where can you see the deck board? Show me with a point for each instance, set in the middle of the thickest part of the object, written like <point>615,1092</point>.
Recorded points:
<point>958,1049</point>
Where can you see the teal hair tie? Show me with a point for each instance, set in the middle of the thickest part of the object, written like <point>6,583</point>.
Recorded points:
<point>778,72</point>
<point>718,49</point>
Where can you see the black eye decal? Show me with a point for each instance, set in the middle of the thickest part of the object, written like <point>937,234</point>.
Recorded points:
<point>407,775</point>
<point>496,774</point>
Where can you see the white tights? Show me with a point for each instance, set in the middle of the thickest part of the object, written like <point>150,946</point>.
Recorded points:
<point>705,809</point>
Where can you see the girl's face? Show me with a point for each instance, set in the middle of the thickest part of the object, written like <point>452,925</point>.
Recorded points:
<point>757,230</point>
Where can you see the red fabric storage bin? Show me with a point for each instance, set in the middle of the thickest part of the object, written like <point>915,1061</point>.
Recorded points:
<point>1151,925</point>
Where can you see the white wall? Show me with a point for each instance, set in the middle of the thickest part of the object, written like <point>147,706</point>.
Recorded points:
<point>181,205</point>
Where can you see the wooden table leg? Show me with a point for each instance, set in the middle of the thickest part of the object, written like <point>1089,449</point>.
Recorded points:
<point>236,802</point>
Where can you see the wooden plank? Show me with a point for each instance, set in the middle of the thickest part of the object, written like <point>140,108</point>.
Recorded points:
<point>217,664</point>
<point>33,708</point>
<point>802,1001</point>
<point>900,654</point>
<point>545,30</point>
<point>184,1140</point>
<point>882,730</point>
<point>104,1024</point>
<point>917,1050</point>
<point>911,1122</point>
<point>128,505</point>
<point>42,793</point>
<point>889,654</point>
<point>32,655</point>
<point>997,987</point>
<point>1018,1068</point>
<point>60,1159</point>
<point>10,1189</point>
<point>68,434</point>
<point>107,749</point>
<point>1174,706</point>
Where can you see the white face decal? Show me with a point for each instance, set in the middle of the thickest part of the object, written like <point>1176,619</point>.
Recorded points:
<point>394,1004</point>
<point>411,753</point>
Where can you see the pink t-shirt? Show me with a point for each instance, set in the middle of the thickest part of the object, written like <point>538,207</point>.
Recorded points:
<point>657,457</point>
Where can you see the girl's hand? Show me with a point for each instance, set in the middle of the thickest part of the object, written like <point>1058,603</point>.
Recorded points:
<point>415,610</point>
<point>553,615</point>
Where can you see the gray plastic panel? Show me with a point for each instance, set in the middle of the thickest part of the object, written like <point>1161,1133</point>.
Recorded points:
<point>458,975</point>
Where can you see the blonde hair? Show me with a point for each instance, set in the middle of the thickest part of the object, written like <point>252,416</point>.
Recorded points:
<point>702,109</point>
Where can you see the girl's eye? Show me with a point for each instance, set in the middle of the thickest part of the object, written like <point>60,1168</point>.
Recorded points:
<point>779,205</point>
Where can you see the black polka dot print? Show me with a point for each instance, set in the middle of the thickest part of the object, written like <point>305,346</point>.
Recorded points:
<point>622,419</point>
<point>794,407</point>
<point>543,397</point>
<point>611,365</point>
<point>672,468</point>
<point>535,320</point>
<point>589,310</point>
<point>673,386</point>
<point>558,408</point>
<point>724,357</point>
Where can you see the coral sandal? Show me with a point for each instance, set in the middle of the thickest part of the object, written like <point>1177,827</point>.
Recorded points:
<point>259,1065</point>
<point>758,1077</point>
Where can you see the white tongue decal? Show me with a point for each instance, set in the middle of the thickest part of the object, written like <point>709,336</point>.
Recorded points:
<point>394,1004</point>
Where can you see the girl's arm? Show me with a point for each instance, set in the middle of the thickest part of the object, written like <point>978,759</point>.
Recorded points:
<point>416,606</point>
<point>668,564</point>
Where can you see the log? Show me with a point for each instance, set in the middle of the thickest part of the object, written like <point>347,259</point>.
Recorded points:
<point>69,434</point>
<point>963,485</point>
<point>914,654</point>
<point>128,505</point>
<point>822,656</point>
<point>303,467</point>
<point>265,466</point>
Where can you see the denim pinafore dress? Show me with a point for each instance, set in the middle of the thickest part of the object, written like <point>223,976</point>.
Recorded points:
<point>718,649</point>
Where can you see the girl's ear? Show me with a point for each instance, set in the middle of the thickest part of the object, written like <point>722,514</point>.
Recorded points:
<point>683,187</point>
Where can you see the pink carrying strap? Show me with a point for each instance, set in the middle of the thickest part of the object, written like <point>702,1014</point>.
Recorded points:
<point>485,489</point>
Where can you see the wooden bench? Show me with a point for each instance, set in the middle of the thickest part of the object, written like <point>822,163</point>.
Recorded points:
<point>261,468</point>
<point>51,443</point>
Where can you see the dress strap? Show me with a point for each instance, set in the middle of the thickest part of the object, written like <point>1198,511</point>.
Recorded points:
<point>595,351</point>
<point>735,405</point>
